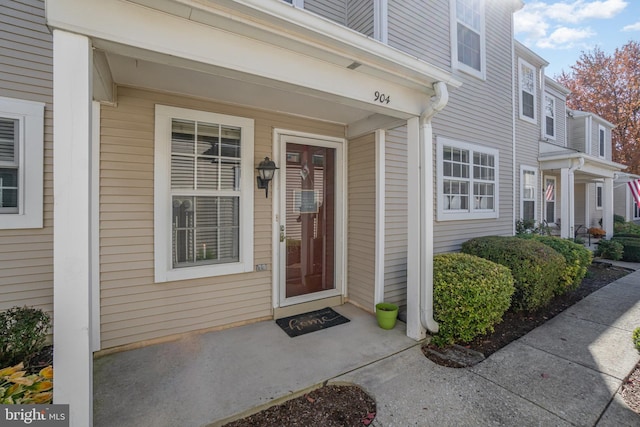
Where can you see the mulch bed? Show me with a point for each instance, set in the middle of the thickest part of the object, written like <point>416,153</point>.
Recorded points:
<point>328,406</point>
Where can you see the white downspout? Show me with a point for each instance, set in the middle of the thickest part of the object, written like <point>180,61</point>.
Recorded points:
<point>437,103</point>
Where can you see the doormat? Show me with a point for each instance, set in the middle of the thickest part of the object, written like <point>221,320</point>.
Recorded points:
<point>310,322</point>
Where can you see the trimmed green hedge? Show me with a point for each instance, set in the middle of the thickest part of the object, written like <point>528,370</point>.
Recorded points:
<point>609,249</point>
<point>471,295</point>
<point>630,248</point>
<point>626,228</point>
<point>536,268</point>
<point>577,257</point>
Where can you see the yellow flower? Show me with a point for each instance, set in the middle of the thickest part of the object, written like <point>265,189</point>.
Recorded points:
<point>47,372</point>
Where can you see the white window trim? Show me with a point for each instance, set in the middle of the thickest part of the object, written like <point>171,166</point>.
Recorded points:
<point>444,215</point>
<point>600,186</point>
<point>296,3</point>
<point>164,270</point>
<point>535,92</point>
<point>602,144</point>
<point>555,127</point>
<point>554,201</point>
<point>535,195</point>
<point>30,150</point>
<point>482,73</point>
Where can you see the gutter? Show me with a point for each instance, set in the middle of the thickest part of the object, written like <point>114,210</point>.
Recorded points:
<point>436,104</point>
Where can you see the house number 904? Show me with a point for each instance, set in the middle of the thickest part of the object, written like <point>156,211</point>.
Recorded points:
<point>382,98</point>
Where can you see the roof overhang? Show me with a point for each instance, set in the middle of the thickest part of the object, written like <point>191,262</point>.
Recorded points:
<point>585,167</point>
<point>265,54</point>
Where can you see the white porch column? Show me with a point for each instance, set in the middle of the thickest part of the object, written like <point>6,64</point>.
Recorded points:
<point>607,206</point>
<point>566,198</point>
<point>73,362</point>
<point>415,329</point>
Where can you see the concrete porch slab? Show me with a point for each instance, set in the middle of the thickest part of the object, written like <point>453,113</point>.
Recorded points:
<point>207,377</point>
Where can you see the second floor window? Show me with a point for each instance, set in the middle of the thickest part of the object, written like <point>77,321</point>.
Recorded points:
<point>527,79</point>
<point>601,141</point>
<point>468,35</point>
<point>550,116</point>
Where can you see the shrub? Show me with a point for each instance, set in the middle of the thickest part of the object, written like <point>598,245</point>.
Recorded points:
<point>528,226</point>
<point>536,268</point>
<point>618,219</point>
<point>16,388</point>
<point>636,338</point>
<point>626,228</point>
<point>23,332</point>
<point>577,257</point>
<point>470,296</point>
<point>609,249</point>
<point>630,248</point>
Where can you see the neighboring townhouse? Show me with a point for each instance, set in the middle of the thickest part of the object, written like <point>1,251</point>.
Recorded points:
<point>26,158</point>
<point>563,156</point>
<point>625,204</point>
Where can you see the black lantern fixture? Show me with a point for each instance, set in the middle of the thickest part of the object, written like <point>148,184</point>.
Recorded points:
<point>266,170</point>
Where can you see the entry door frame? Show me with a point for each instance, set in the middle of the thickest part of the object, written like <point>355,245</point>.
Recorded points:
<point>280,139</point>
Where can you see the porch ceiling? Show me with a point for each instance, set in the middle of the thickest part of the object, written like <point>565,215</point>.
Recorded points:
<point>264,54</point>
<point>137,68</point>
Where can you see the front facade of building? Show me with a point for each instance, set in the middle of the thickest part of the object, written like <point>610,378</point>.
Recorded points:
<point>394,125</point>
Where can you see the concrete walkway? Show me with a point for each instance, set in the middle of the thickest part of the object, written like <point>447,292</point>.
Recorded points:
<point>566,372</point>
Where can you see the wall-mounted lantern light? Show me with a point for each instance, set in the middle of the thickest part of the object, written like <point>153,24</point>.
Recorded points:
<point>266,170</point>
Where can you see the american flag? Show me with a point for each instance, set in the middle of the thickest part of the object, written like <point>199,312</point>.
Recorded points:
<point>634,186</point>
<point>549,193</point>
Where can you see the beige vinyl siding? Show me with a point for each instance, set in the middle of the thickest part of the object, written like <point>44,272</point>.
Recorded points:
<point>621,199</point>
<point>576,133</point>
<point>335,10</point>
<point>360,16</point>
<point>481,112</point>
<point>133,307</point>
<point>595,215</point>
<point>396,239</point>
<point>361,228</point>
<point>579,211</point>
<point>26,72</point>
<point>421,29</point>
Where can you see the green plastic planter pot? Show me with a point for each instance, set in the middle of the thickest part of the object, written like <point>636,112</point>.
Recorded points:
<point>386,313</point>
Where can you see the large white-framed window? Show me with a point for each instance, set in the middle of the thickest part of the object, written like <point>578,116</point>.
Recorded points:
<point>527,90</point>
<point>602,136</point>
<point>550,116</point>
<point>467,180</point>
<point>468,50</point>
<point>636,209</point>
<point>21,163</point>
<point>203,194</point>
<point>550,190</point>
<point>599,194</point>
<point>528,191</point>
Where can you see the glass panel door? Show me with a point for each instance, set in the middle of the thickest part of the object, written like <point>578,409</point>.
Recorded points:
<point>310,224</point>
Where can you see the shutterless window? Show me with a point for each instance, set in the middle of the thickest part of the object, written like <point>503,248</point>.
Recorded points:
<point>527,90</point>
<point>204,202</point>
<point>205,184</point>
<point>601,139</point>
<point>528,194</point>
<point>550,116</point>
<point>550,200</point>
<point>469,33</point>
<point>598,196</point>
<point>9,163</point>
<point>467,181</point>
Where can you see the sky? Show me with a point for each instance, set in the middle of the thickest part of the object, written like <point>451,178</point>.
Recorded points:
<point>560,30</point>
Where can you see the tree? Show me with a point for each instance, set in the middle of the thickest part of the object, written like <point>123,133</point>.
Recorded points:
<point>609,86</point>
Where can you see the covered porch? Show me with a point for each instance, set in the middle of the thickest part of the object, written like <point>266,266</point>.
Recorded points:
<point>582,188</point>
<point>118,66</point>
